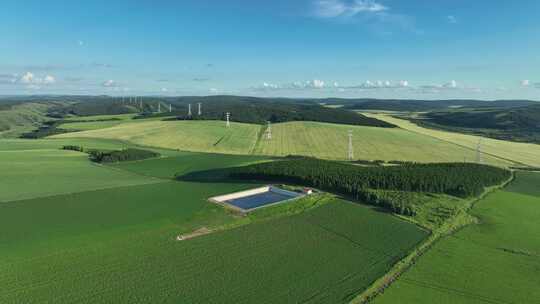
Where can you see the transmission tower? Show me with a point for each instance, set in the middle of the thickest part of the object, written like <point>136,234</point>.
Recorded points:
<point>228,115</point>
<point>170,108</point>
<point>159,107</point>
<point>199,111</point>
<point>351,149</point>
<point>189,110</point>
<point>479,152</point>
<point>269,131</point>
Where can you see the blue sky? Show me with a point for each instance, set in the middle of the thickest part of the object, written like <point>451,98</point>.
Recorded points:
<point>303,48</point>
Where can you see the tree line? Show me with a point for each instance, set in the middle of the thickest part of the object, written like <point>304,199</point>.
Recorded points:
<point>106,156</point>
<point>457,179</point>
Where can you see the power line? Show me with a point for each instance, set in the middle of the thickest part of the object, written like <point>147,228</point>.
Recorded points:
<point>351,148</point>
<point>269,131</point>
<point>479,152</point>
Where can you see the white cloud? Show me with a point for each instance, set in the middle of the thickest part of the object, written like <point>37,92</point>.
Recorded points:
<point>316,84</point>
<point>27,78</point>
<point>342,8</point>
<point>403,83</point>
<point>525,83</point>
<point>109,83</point>
<point>80,43</point>
<point>30,79</point>
<point>213,90</point>
<point>452,19</point>
<point>164,90</point>
<point>49,79</point>
<point>451,85</point>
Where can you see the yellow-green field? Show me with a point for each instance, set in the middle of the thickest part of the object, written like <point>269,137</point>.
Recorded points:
<point>315,139</point>
<point>330,141</point>
<point>88,123</point>
<point>528,154</point>
<point>203,136</point>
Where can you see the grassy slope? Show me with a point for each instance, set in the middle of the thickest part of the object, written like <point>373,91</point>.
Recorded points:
<point>528,154</point>
<point>496,261</point>
<point>35,173</point>
<point>86,123</point>
<point>300,138</point>
<point>330,141</point>
<point>21,118</point>
<point>204,136</point>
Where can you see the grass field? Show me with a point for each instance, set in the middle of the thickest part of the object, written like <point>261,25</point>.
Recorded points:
<point>117,245</point>
<point>495,261</point>
<point>330,141</point>
<point>528,154</point>
<point>86,123</point>
<point>35,173</point>
<point>321,140</point>
<point>321,256</point>
<point>202,136</point>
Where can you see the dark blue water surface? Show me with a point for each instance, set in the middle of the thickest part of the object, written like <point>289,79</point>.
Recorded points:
<point>258,200</point>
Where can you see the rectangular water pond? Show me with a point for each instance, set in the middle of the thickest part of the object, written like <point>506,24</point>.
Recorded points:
<point>256,198</point>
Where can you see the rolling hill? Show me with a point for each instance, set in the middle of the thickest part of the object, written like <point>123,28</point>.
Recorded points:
<point>315,139</point>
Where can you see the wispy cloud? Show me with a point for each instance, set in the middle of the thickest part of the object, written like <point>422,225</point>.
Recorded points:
<point>8,78</point>
<point>452,19</point>
<point>373,15</point>
<point>200,79</point>
<point>318,84</point>
<point>340,8</point>
<point>525,83</point>
<point>109,83</point>
<point>101,65</point>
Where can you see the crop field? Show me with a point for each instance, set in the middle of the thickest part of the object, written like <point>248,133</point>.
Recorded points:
<point>35,173</point>
<point>321,140</point>
<point>495,261</point>
<point>87,123</point>
<point>73,251</point>
<point>528,154</point>
<point>199,136</point>
<point>184,162</point>
<point>330,141</point>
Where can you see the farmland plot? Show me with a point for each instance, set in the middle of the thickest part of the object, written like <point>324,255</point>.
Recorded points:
<point>330,141</point>
<point>495,261</point>
<point>322,256</point>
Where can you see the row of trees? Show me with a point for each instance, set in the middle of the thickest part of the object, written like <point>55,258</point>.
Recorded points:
<point>457,179</point>
<point>103,156</point>
<point>129,154</point>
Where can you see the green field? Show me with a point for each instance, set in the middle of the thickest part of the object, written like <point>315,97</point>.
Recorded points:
<point>495,261</point>
<point>527,154</point>
<point>330,141</point>
<point>35,173</point>
<point>118,244</point>
<point>202,136</point>
<point>321,140</point>
<point>321,256</point>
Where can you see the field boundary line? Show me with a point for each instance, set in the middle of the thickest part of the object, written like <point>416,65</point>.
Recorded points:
<point>158,181</point>
<point>448,228</point>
